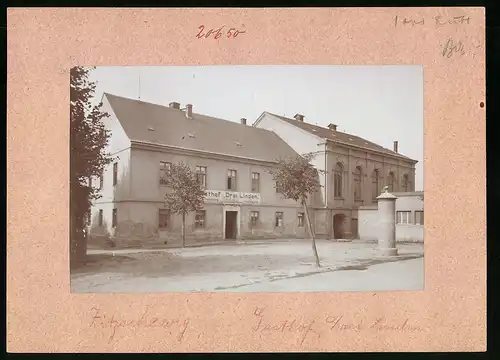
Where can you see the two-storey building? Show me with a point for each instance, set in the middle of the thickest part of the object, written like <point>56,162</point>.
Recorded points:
<point>355,170</point>
<point>232,161</point>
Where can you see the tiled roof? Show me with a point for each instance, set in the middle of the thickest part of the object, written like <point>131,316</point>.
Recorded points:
<point>152,123</point>
<point>340,137</point>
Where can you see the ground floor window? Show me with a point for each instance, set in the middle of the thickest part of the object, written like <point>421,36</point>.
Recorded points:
<point>163,219</point>
<point>403,217</point>
<point>100,217</point>
<point>278,219</point>
<point>254,216</point>
<point>300,219</point>
<point>114,218</point>
<point>199,219</point>
<point>419,218</point>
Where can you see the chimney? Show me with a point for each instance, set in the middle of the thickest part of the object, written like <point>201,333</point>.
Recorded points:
<point>395,146</point>
<point>189,111</point>
<point>174,105</point>
<point>243,121</point>
<point>299,117</point>
<point>332,127</point>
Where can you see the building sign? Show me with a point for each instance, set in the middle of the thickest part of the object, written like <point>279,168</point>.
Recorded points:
<point>224,197</point>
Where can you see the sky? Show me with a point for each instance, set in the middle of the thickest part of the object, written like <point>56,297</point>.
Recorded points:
<point>379,103</point>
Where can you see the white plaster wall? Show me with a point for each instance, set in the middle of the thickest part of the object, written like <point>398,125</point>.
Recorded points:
<point>119,148</point>
<point>368,220</point>
<point>146,173</point>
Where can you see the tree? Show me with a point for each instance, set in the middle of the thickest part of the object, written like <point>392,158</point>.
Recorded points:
<point>185,193</point>
<point>296,179</point>
<point>88,140</point>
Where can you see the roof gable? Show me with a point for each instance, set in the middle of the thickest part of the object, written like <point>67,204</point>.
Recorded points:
<point>341,137</point>
<point>162,125</point>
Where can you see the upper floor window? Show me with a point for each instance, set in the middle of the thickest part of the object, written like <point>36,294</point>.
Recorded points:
<point>375,185</point>
<point>391,182</point>
<point>231,179</point>
<point>101,180</point>
<point>201,175</point>
<point>405,183</point>
<point>337,180</point>
<point>115,174</point>
<point>255,182</point>
<point>164,169</point>
<point>357,183</point>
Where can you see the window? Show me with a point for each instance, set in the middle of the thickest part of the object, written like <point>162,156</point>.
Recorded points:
<point>390,182</point>
<point>100,218</point>
<point>199,219</point>
<point>419,218</point>
<point>300,218</point>
<point>405,182</point>
<point>278,187</point>
<point>278,219</point>
<point>337,180</point>
<point>101,180</point>
<point>255,182</point>
<point>115,174</point>
<point>403,217</point>
<point>254,217</point>
<point>164,169</point>
<point>90,182</point>
<point>163,218</point>
<point>375,185</point>
<point>201,175</point>
<point>114,219</point>
<point>357,183</point>
<point>231,179</point>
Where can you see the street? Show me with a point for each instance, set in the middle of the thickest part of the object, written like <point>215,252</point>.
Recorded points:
<point>271,266</point>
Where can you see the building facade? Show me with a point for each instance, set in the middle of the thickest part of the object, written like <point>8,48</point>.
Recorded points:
<point>232,161</point>
<point>354,171</point>
<point>409,218</point>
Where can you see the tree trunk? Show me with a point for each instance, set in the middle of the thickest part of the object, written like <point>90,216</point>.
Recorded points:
<point>183,229</point>
<point>315,252</point>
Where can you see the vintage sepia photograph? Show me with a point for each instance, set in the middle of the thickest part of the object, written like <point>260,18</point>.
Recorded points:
<point>280,178</point>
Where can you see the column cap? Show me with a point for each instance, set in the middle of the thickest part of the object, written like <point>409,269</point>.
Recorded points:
<point>386,195</point>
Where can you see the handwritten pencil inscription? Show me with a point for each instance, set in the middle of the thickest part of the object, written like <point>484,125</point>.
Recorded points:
<point>176,327</point>
<point>455,48</point>
<point>438,21</point>
<point>230,33</point>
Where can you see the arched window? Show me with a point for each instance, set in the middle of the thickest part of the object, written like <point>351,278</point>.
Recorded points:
<point>337,180</point>
<point>375,185</point>
<point>405,183</point>
<point>390,182</point>
<point>357,183</point>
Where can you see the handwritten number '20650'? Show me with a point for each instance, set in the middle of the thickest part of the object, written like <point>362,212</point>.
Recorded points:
<point>217,33</point>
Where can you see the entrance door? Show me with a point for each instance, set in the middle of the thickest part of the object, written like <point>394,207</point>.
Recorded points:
<point>354,228</point>
<point>231,228</point>
<point>338,226</point>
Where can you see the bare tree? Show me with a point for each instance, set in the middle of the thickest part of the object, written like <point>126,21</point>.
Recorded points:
<point>297,179</point>
<point>185,193</point>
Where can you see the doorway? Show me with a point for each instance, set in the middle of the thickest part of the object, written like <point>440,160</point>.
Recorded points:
<point>338,226</point>
<point>231,224</point>
<point>354,228</point>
